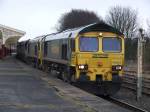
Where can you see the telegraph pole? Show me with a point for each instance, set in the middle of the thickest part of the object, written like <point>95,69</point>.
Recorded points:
<point>140,64</point>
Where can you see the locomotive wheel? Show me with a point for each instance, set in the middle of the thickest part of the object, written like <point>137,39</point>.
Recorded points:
<point>64,77</point>
<point>45,68</point>
<point>73,79</point>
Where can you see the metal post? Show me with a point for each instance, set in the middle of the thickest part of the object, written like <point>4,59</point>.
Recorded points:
<point>9,52</point>
<point>140,63</point>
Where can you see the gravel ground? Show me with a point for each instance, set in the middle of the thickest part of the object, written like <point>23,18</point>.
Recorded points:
<point>129,96</point>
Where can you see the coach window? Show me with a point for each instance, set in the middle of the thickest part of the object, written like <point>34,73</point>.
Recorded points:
<point>28,48</point>
<point>35,49</point>
<point>64,51</point>
<point>45,48</point>
<point>38,45</point>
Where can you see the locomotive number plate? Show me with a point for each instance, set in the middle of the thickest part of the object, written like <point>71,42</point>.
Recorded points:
<point>100,56</point>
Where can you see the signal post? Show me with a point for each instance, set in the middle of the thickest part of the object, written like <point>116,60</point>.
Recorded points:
<point>140,64</point>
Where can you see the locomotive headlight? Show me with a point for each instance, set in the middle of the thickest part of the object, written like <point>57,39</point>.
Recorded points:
<point>117,68</point>
<point>100,34</point>
<point>83,67</point>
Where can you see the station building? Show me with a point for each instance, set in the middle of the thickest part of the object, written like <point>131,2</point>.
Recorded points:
<point>8,39</point>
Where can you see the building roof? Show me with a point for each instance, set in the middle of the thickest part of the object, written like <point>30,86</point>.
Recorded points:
<point>13,29</point>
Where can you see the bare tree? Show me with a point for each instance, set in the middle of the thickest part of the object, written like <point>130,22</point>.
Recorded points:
<point>123,19</point>
<point>148,30</point>
<point>149,25</point>
<point>77,18</point>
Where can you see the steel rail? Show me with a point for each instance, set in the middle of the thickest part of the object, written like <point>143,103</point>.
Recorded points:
<point>126,105</point>
<point>129,82</point>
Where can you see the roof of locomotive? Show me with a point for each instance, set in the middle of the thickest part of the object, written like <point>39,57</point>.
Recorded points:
<point>72,33</point>
<point>36,39</point>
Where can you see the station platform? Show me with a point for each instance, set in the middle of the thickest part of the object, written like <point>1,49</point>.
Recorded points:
<point>25,89</point>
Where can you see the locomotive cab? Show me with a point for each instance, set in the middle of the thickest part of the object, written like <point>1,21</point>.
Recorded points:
<point>99,59</point>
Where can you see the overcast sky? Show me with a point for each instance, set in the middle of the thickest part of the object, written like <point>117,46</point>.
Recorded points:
<point>38,17</point>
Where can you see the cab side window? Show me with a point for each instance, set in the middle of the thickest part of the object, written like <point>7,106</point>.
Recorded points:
<point>72,45</point>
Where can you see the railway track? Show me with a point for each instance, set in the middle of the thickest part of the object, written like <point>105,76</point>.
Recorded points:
<point>130,82</point>
<point>125,105</point>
